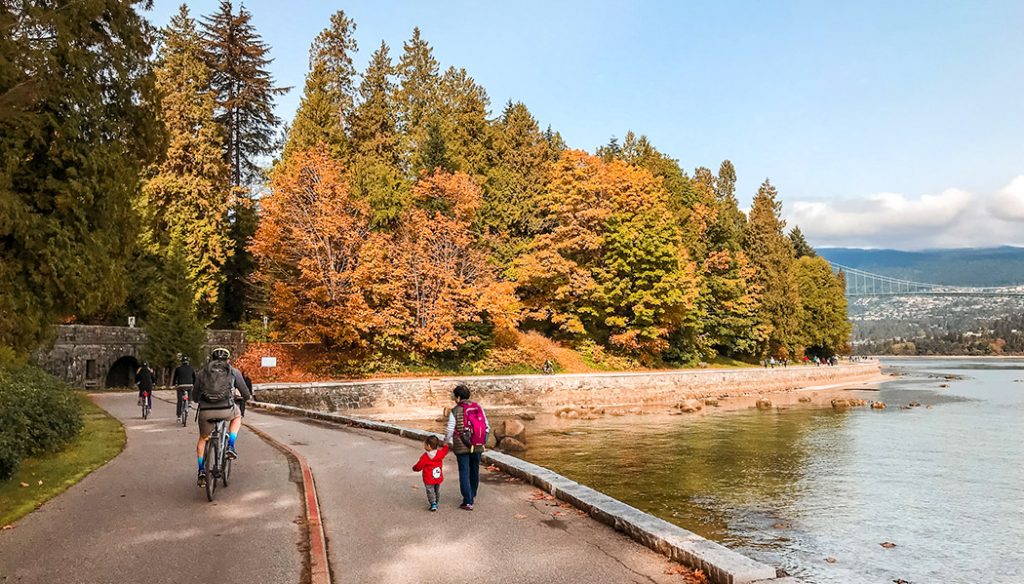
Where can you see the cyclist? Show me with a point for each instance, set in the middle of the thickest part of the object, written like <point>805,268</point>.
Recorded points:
<point>213,393</point>
<point>183,379</point>
<point>144,379</point>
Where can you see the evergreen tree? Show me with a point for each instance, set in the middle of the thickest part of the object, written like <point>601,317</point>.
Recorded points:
<point>435,150</point>
<point>417,97</point>
<point>172,326</point>
<point>374,129</point>
<point>325,112</point>
<point>76,130</point>
<point>514,183</point>
<point>463,113</point>
<point>730,223</point>
<point>188,199</point>
<point>800,246</point>
<point>237,57</point>
<point>772,255</point>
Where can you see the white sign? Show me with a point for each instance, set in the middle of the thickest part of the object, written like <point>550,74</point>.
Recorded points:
<point>131,322</point>
<point>268,362</point>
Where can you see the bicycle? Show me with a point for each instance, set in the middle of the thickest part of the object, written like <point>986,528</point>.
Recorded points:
<point>146,403</point>
<point>184,410</point>
<point>218,464</point>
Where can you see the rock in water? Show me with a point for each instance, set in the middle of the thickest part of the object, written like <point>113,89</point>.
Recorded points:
<point>527,416</point>
<point>514,429</point>
<point>878,405</point>
<point>689,406</point>
<point>840,404</point>
<point>511,445</point>
<point>764,404</point>
<point>804,399</point>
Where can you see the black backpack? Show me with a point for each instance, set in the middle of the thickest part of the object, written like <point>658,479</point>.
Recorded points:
<point>216,383</point>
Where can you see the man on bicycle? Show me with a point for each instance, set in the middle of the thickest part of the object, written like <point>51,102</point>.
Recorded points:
<point>183,380</point>
<point>144,379</point>
<point>213,392</point>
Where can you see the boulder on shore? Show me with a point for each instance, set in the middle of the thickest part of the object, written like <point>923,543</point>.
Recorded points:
<point>511,429</point>
<point>508,444</point>
<point>764,403</point>
<point>804,399</point>
<point>711,402</point>
<point>689,406</point>
<point>840,404</point>
<point>527,416</point>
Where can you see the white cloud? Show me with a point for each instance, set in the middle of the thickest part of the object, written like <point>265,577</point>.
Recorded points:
<point>953,218</point>
<point>1008,203</point>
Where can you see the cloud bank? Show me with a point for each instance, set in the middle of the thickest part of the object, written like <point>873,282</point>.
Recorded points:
<point>953,218</point>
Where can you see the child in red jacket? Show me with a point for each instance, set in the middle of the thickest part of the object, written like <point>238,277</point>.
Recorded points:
<point>431,464</point>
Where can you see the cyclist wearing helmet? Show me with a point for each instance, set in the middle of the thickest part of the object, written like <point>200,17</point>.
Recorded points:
<point>213,392</point>
<point>144,379</point>
<point>183,380</point>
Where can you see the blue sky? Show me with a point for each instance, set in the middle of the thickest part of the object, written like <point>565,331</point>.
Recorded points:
<point>881,123</point>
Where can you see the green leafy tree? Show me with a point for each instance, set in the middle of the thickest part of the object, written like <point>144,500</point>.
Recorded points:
<point>772,255</point>
<point>800,246</point>
<point>825,327</point>
<point>435,150</point>
<point>241,79</point>
<point>327,105</point>
<point>188,199</point>
<point>173,327</point>
<point>76,130</point>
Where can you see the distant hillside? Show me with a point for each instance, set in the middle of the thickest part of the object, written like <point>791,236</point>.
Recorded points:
<point>996,266</point>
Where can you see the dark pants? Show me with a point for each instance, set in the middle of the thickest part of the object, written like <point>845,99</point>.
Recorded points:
<point>469,476</point>
<point>181,391</point>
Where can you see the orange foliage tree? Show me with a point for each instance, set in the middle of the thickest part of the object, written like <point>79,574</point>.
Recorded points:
<point>612,266</point>
<point>310,247</point>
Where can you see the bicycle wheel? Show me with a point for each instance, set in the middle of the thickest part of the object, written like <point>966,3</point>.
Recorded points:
<point>225,463</point>
<point>145,411</point>
<point>211,472</point>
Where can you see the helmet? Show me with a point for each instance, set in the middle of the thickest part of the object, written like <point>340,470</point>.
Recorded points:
<point>220,354</point>
<point>184,359</point>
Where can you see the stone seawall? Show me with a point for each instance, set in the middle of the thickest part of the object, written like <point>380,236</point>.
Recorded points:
<point>626,389</point>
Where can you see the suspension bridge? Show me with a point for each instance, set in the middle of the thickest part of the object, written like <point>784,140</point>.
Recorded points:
<point>860,283</point>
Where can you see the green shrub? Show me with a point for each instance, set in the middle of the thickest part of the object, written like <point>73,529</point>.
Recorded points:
<point>38,413</point>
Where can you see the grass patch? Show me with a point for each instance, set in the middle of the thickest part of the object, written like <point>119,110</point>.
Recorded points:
<point>722,362</point>
<point>101,439</point>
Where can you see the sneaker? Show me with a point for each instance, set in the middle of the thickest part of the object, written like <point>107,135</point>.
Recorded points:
<point>433,507</point>
<point>466,506</point>
<point>231,454</point>
<point>201,481</point>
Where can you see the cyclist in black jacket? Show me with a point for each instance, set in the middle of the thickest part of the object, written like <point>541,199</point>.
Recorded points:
<point>183,380</point>
<point>144,379</point>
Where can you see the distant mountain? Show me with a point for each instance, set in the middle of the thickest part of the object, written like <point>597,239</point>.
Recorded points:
<point>994,266</point>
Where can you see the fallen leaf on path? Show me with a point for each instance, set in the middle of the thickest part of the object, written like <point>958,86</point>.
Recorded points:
<point>519,516</point>
<point>40,482</point>
<point>493,468</point>
<point>557,514</point>
<point>887,545</point>
<point>23,485</point>
<point>8,526</point>
<point>831,560</point>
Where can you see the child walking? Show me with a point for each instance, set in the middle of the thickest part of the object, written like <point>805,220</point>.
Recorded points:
<point>431,464</point>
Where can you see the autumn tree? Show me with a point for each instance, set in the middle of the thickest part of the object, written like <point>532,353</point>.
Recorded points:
<point>447,284</point>
<point>185,204</point>
<point>614,267</point>
<point>309,246</point>
<point>824,327</point>
<point>76,131</point>
<point>327,105</point>
<point>771,254</point>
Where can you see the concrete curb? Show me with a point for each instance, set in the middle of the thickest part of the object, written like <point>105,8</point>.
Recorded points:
<point>719,563</point>
<point>319,566</point>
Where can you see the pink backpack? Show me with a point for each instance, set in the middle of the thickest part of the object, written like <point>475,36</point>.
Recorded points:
<point>474,426</point>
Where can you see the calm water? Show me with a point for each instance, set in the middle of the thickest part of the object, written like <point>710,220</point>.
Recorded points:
<point>795,486</point>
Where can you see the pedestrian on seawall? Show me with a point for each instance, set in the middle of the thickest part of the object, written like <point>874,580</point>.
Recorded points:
<point>467,433</point>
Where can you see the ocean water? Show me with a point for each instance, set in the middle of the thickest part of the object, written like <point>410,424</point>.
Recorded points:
<point>798,486</point>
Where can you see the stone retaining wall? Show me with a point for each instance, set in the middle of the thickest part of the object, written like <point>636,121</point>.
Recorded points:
<point>719,563</point>
<point>547,390</point>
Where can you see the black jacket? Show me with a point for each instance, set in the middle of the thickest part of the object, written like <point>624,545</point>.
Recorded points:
<point>184,375</point>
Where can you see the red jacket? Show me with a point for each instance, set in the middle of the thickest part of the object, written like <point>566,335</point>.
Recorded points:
<point>432,467</point>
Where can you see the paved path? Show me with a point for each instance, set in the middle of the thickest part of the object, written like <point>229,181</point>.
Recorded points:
<point>141,517</point>
<point>379,530</point>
